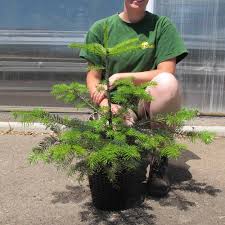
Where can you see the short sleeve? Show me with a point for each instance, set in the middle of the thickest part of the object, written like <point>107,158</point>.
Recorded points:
<point>169,43</point>
<point>93,36</point>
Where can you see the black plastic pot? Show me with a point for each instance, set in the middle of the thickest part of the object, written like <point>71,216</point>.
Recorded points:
<point>127,192</point>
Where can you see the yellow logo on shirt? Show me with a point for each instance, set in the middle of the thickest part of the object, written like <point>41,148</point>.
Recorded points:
<point>145,45</point>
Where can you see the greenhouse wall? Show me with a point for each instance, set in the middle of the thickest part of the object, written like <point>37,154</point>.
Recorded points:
<point>202,26</point>
<point>34,36</point>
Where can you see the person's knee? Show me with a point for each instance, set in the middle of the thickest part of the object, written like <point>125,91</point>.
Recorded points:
<point>167,86</point>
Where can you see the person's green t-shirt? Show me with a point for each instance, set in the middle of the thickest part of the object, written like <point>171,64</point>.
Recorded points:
<point>156,30</point>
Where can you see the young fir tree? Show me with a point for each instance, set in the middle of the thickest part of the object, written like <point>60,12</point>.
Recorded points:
<point>107,144</point>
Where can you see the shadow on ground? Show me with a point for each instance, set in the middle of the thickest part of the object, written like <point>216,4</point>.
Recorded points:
<point>75,194</point>
<point>181,182</point>
<point>139,215</point>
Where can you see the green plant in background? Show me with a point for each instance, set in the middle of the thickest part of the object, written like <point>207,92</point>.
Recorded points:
<point>107,144</point>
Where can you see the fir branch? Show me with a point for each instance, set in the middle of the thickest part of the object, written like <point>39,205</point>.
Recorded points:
<point>88,103</point>
<point>106,35</point>
<point>71,137</point>
<point>178,118</point>
<point>80,168</point>
<point>95,67</point>
<point>110,154</point>
<point>127,93</point>
<point>70,93</point>
<point>56,128</point>
<point>143,123</point>
<point>108,90</point>
<point>172,150</point>
<point>123,46</point>
<point>58,153</point>
<point>129,45</point>
<point>38,152</point>
<point>47,142</point>
<point>204,136</point>
<point>46,118</point>
<point>94,48</point>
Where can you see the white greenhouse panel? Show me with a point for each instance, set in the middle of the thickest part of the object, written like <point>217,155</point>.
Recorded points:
<point>34,54</point>
<point>202,26</point>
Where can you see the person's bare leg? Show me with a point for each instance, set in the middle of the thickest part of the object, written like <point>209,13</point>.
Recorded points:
<point>167,99</point>
<point>166,94</point>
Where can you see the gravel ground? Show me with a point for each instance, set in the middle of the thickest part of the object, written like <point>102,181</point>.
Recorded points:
<point>39,195</point>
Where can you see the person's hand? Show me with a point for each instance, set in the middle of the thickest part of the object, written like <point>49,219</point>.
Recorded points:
<point>114,107</point>
<point>130,118</point>
<point>98,94</point>
<point>104,103</point>
<point>113,79</point>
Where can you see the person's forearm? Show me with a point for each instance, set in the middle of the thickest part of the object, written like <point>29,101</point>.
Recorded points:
<point>92,80</point>
<point>168,66</point>
<point>104,102</point>
<point>142,77</point>
<point>138,78</point>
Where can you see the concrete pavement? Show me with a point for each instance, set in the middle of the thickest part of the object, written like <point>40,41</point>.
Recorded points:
<point>39,195</point>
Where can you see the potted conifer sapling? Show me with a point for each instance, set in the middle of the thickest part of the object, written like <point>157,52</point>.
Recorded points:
<point>111,154</point>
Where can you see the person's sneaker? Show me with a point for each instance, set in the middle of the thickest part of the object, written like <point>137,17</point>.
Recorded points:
<point>158,184</point>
